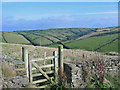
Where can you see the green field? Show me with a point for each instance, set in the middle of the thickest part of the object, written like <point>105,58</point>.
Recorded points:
<point>14,38</point>
<point>113,47</point>
<point>92,38</point>
<point>114,80</point>
<point>51,36</point>
<point>91,43</point>
<point>55,45</point>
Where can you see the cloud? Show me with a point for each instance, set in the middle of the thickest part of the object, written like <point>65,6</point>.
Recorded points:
<point>113,12</point>
<point>10,23</point>
<point>64,21</point>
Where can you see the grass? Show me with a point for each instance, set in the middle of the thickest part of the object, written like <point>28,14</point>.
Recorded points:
<point>51,36</point>
<point>113,80</point>
<point>55,45</point>
<point>91,43</point>
<point>113,47</point>
<point>67,36</point>
<point>14,51</point>
<point>7,70</point>
<point>36,39</point>
<point>15,38</point>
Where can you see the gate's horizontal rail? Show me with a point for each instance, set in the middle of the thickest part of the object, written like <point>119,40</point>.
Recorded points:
<point>40,59</point>
<point>44,66</point>
<point>39,74</point>
<point>19,63</point>
<point>20,69</point>
<point>44,86</point>
<point>40,81</point>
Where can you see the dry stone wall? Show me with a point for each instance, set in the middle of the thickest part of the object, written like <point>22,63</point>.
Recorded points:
<point>15,82</point>
<point>74,75</point>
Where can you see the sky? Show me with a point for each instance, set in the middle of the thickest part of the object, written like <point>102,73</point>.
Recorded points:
<point>60,0</point>
<point>45,15</point>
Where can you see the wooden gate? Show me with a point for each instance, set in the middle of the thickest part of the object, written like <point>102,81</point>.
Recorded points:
<point>45,73</point>
<point>41,74</point>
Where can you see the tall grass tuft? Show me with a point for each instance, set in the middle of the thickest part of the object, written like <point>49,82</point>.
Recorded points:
<point>7,70</point>
<point>62,83</point>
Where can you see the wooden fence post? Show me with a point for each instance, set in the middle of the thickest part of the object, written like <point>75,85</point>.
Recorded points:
<point>44,57</point>
<point>25,58</point>
<point>60,63</point>
<point>55,60</point>
<point>30,71</point>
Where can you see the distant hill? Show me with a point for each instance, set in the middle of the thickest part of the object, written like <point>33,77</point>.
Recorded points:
<point>93,39</point>
<point>102,40</point>
<point>11,37</point>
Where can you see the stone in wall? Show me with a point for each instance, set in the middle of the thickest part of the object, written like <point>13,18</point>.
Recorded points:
<point>15,82</point>
<point>74,75</point>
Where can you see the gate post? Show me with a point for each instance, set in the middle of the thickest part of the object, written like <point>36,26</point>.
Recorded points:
<point>60,63</point>
<point>44,57</point>
<point>25,58</point>
<point>30,71</point>
<point>55,60</point>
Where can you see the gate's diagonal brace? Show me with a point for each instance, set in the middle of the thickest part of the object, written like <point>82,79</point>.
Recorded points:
<point>42,72</point>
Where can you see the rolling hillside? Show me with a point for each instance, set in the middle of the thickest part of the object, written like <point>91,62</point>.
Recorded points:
<point>52,36</point>
<point>91,43</point>
<point>102,40</point>
<point>10,37</point>
<point>113,47</point>
<point>92,39</point>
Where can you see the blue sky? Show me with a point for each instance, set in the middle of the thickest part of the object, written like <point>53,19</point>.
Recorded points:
<point>60,0</point>
<point>44,15</point>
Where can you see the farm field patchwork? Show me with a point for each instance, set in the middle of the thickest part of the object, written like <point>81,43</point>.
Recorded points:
<point>71,38</point>
<point>51,36</point>
<point>113,47</point>
<point>91,43</point>
<point>14,38</point>
<point>55,45</point>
